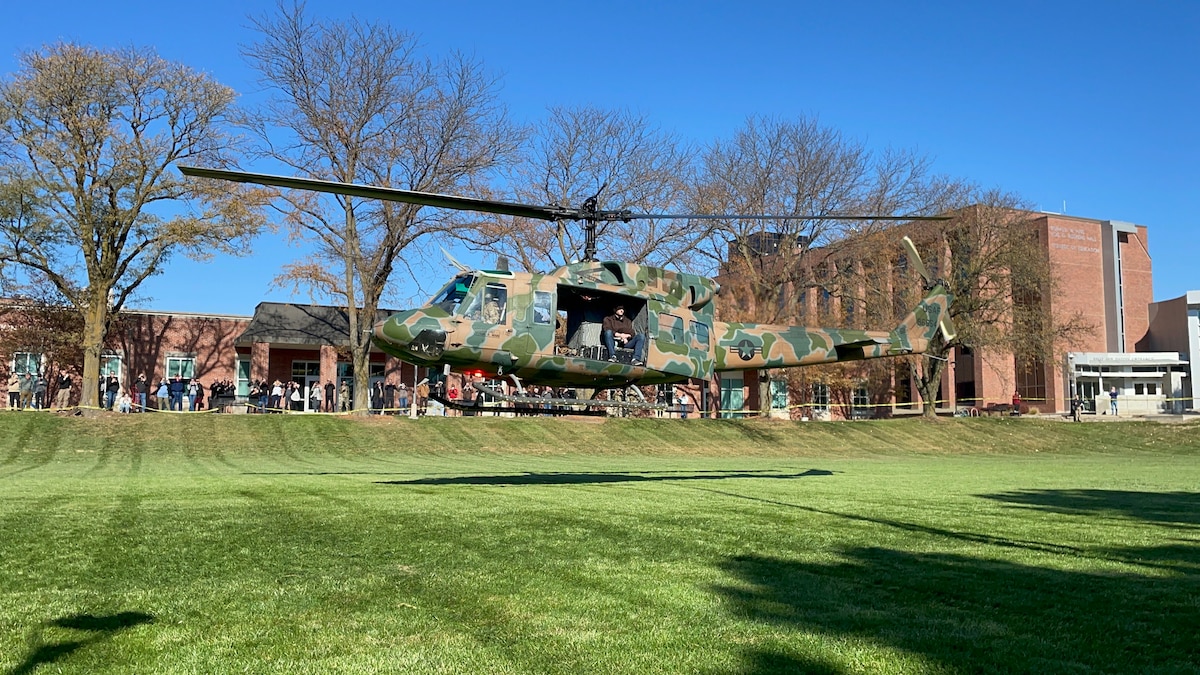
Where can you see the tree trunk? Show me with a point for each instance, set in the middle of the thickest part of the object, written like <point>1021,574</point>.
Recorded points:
<point>929,383</point>
<point>361,356</point>
<point>764,393</point>
<point>95,320</point>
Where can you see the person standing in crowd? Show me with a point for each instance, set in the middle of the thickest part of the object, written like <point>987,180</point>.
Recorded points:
<point>112,387</point>
<point>62,399</point>
<point>389,396</point>
<point>264,395</point>
<point>177,388</point>
<point>274,402</point>
<point>377,397</point>
<point>198,401</point>
<point>1077,407</point>
<point>314,397</point>
<point>422,397</point>
<point>162,394</point>
<point>1112,400</point>
<point>141,389</point>
<point>191,394</point>
<point>26,391</point>
<point>39,392</point>
<point>14,392</point>
<point>402,391</point>
<point>344,403</point>
<point>295,397</point>
<point>329,396</point>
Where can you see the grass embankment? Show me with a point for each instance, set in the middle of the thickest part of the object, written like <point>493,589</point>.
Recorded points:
<point>300,544</point>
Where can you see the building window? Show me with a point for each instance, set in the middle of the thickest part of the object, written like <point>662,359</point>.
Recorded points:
<point>183,366</point>
<point>26,362</point>
<point>860,403</point>
<point>110,366</point>
<point>300,369</point>
<point>779,394</point>
<point>820,397</point>
<point>732,395</point>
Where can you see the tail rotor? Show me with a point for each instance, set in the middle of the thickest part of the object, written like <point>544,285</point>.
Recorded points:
<point>914,259</point>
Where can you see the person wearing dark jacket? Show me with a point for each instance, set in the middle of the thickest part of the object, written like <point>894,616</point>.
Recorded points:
<point>617,328</point>
<point>177,387</point>
<point>112,387</point>
<point>142,389</point>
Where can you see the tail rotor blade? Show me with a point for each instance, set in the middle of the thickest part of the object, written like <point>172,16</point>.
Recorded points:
<point>947,328</point>
<point>914,259</point>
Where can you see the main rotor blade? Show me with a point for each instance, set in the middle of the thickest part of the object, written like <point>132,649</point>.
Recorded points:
<point>552,213</point>
<point>734,216</point>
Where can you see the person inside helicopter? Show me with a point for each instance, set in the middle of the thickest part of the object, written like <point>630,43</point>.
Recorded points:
<point>492,311</point>
<point>618,329</point>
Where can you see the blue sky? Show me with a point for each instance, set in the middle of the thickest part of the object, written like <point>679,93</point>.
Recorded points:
<point>1090,107</point>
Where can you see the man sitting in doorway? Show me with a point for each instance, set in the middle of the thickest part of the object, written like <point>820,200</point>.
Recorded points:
<point>617,328</point>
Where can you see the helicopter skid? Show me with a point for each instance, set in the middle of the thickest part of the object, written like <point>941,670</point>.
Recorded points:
<point>536,405</point>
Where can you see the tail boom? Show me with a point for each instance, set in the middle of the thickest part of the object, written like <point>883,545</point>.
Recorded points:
<point>751,346</point>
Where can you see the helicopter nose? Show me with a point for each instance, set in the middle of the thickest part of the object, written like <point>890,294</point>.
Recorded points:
<point>412,332</point>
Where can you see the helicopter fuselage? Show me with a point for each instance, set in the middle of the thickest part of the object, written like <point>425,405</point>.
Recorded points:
<point>546,328</point>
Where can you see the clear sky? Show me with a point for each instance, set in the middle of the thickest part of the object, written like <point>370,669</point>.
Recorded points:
<point>1088,107</point>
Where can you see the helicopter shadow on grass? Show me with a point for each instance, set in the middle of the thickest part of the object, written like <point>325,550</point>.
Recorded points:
<point>601,477</point>
<point>94,629</point>
<point>957,613</point>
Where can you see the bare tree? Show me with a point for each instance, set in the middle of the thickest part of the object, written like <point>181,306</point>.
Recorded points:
<point>91,201</point>
<point>801,168</point>
<point>354,102</point>
<point>614,156</point>
<point>990,258</point>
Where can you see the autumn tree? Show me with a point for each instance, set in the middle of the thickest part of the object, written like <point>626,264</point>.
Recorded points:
<point>812,172</point>
<point>91,201</point>
<point>36,319</point>
<point>356,102</point>
<point>616,157</point>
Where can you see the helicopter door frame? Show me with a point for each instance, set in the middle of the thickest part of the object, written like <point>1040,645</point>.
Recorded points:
<point>534,316</point>
<point>680,334</point>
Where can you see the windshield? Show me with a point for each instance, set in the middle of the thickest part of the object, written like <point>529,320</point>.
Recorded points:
<point>452,295</point>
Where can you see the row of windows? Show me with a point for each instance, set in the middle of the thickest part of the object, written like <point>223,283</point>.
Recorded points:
<point>32,363</point>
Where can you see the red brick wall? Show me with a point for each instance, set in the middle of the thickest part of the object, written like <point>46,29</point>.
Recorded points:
<point>1138,286</point>
<point>1076,259</point>
<point>147,340</point>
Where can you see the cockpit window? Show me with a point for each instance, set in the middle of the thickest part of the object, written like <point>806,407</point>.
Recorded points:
<point>491,306</point>
<point>452,295</point>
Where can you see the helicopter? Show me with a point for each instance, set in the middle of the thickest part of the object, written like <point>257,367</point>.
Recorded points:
<point>546,328</point>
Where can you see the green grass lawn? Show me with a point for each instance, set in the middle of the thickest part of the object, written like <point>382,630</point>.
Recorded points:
<point>292,544</point>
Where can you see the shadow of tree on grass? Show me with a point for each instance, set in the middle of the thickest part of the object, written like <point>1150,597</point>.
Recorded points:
<point>958,614</point>
<point>94,628</point>
<point>1164,508</point>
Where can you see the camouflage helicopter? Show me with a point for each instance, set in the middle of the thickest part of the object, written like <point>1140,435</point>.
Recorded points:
<point>546,329</point>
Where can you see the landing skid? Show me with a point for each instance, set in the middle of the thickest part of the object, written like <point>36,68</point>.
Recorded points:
<point>536,405</point>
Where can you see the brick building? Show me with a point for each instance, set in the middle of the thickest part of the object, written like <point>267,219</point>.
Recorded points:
<point>281,341</point>
<point>1105,277</point>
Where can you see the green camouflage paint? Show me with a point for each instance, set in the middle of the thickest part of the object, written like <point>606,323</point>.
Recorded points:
<point>682,339</point>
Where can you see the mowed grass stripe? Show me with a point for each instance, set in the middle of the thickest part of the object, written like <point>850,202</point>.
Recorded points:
<point>301,544</point>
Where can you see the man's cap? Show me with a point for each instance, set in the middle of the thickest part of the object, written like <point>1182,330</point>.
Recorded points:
<point>616,307</point>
